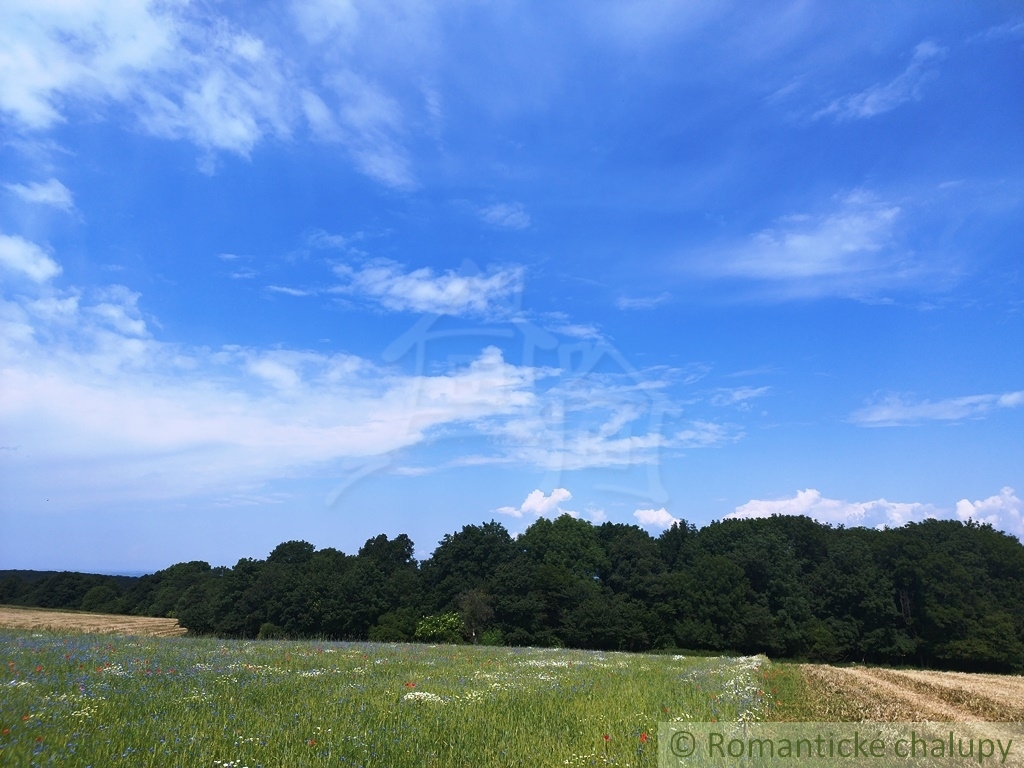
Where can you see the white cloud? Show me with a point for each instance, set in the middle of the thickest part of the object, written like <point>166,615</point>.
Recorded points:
<point>186,73</point>
<point>811,503</point>
<point>118,309</point>
<point>658,519</point>
<point>849,251</point>
<point>577,330</point>
<point>321,239</point>
<point>1005,512</point>
<point>26,258</point>
<point>175,433</point>
<point>897,410</point>
<point>86,50</point>
<point>882,98</point>
<point>737,395</point>
<point>326,20</point>
<point>642,302</point>
<point>50,192</point>
<point>424,291</point>
<point>290,291</point>
<point>105,412</point>
<point>368,122</point>
<point>229,92</point>
<point>705,434</point>
<point>539,505</point>
<point>507,215</point>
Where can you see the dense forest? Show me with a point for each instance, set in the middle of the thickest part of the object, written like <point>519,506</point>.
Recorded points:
<point>940,593</point>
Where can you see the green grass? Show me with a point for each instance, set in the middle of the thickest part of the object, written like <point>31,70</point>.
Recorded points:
<point>91,700</point>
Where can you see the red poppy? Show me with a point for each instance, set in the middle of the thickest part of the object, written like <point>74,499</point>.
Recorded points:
<point>607,737</point>
<point>39,668</point>
<point>5,731</point>
<point>312,742</point>
<point>410,685</point>
<point>643,738</point>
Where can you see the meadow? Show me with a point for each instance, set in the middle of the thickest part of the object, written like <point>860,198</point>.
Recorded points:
<point>93,700</point>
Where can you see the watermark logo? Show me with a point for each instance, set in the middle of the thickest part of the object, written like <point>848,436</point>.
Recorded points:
<point>904,745</point>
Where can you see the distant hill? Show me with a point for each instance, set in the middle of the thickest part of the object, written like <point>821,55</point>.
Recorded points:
<point>28,577</point>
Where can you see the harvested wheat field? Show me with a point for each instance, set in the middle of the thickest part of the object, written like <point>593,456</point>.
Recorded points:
<point>888,695</point>
<point>101,623</point>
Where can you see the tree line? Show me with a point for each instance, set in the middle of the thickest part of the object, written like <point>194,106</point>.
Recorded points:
<point>939,593</point>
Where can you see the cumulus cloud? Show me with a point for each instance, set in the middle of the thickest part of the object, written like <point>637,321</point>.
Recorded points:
<point>423,290</point>
<point>1005,512</point>
<point>27,259</point>
<point>506,215</point>
<point>540,505</point>
<point>50,192</point>
<point>658,519</point>
<point>899,410</point>
<point>811,503</point>
<point>885,97</point>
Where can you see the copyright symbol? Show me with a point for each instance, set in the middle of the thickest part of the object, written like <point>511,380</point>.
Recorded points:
<point>683,744</point>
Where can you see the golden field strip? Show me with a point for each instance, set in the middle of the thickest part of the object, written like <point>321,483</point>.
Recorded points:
<point>889,695</point>
<point>16,617</point>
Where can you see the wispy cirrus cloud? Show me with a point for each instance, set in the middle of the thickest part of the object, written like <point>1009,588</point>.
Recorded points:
<point>885,97</point>
<point>88,388</point>
<point>92,51</point>
<point>737,395</point>
<point>191,74</point>
<point>287,291</point>
<point>896,410</point>
<point>642,302</point>
<point>505,215</point>
<point>367,122</point>
<point>50,192</point>
<point>423,290</point>
<point>853,250</point>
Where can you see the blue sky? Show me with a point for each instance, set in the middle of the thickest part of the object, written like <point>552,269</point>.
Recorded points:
<point>323,270</point>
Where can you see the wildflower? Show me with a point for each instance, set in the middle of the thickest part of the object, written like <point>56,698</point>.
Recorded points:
<point>312,742</point>
<point>607,737</point>
<point>39,668</point>
<point>410,685</point>
<point>643,738</point>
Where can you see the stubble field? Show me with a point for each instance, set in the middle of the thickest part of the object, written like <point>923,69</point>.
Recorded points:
<point>15,617</point>
<point>889,695</point>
